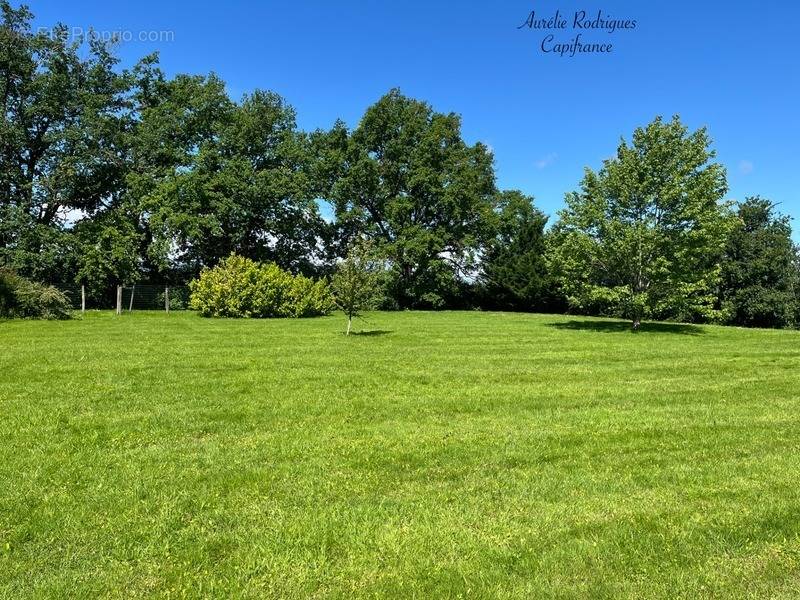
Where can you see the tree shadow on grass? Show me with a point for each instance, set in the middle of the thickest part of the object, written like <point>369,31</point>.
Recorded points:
<point>625,326</point>
<point>371,333</point>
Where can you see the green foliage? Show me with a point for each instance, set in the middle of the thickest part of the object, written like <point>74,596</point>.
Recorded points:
<point>185,175</point>
<point>241,287</point>
<point>110,175</point>
<point>64,111</point>
<point>760,280</point>
<point>356,282</point>
<point>245,190</point>
<point>21,298</point>
<point>106,250</point>
<point>514,268</point>
<point>797,288</point>
<point>178,298</point>
<point>644,236</point>
<point>408,181</point>
<point>8,299</point>
<point>39,252</point>
<point>309,298</point>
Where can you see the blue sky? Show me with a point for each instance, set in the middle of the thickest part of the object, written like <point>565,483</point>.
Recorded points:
<point>731,66</point>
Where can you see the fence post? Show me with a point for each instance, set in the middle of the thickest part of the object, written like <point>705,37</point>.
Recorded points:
<point>119,299</point>
<point>166,299</point>
<point>83,299</point>
<point>130,304</point>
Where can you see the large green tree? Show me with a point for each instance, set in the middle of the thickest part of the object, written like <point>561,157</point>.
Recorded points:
<point>514,268</point>
<point>410,182</point>
<point>106,251</point>
<point>644,235</point>
<point>241,184</point>
<point>176,119</point>
<point>760,283</point>
<point>62,121</point>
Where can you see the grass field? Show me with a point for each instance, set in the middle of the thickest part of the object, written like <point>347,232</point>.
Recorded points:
<point>437,455</point>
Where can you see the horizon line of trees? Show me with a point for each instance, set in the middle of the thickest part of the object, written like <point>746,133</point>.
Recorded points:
<point>114,176</point>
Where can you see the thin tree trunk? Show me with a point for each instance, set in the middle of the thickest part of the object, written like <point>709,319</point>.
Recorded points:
<point>349,323</point>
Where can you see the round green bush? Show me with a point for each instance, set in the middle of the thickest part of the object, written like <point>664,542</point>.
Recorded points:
<point>25,299</point>
<point>240,287</point>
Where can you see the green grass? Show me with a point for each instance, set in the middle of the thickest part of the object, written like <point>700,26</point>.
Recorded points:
<point>444,455</point>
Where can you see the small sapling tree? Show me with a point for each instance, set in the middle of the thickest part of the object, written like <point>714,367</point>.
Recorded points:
<point>356,284</point>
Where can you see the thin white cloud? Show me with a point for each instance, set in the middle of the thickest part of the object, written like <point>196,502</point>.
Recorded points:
<point>745,167</point>
<point>546,161</point>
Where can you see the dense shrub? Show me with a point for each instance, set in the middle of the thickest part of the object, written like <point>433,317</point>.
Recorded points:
<point>310,298</point>
<point>21,298</point>
<point>240,287</point>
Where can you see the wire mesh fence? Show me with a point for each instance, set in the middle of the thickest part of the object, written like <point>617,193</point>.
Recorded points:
<point>153,297</point>
<point>73,293</point>
<point>129,298</point>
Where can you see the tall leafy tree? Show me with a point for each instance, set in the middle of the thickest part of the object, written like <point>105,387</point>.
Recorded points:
<point>760,281</point>
<point>64,109</point>
<point>328,150</point>
<point>176,119</point>
<point>240,185</point>
<point>410,182</point>
<point>106,250</point>
<point>643,236</point>
<point>514,268</point>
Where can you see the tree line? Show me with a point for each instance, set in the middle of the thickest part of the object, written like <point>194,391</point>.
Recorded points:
<point>113,175</point>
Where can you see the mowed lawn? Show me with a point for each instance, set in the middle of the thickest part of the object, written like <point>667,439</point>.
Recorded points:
<point>452,454</point>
